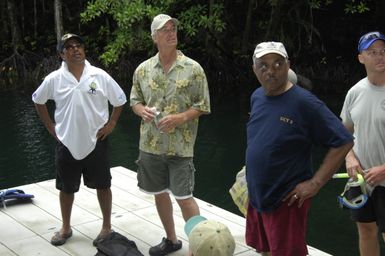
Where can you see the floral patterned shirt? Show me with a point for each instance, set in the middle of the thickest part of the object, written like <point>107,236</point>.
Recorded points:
<point>183,87</point>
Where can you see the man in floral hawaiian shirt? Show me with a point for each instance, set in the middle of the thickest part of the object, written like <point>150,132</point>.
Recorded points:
<point>169,93</point>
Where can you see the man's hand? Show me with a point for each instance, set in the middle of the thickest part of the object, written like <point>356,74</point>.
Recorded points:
<point>106,130</point>
<point>353,166</point>
<point>51,129</point>
<point>302,191</point>
<point>168,123</point>
<point>147,114</point>
<point>42,111</point>
<point>375,175</point>
<point>110,125</point>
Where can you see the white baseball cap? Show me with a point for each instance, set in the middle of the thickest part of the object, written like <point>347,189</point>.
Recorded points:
<point>209,237</point>
<point>270,47</point>
<point>159,21</point>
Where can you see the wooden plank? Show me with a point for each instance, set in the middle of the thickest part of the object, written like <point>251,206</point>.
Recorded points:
<point>29,227</point>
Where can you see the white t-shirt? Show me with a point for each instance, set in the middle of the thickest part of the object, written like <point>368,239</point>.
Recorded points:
<point>364,107</point>
<point>81,106</point>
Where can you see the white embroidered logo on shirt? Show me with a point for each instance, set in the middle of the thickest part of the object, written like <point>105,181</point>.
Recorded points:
<point>92,88</point>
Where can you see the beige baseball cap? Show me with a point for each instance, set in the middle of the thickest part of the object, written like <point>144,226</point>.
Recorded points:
<point>209,237</point>
<point>159,21</point>
<point>270,47</point>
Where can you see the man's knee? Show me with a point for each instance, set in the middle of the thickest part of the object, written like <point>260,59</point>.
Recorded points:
<point>189,207</point>
<point>103,190</point>
<point>367,230</point>
<point>186,203</point>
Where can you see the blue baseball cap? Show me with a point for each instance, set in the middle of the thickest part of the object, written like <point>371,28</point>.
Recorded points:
<point>368,39</point>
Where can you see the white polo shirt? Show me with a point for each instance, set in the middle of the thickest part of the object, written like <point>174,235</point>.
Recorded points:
<point>81,106</point>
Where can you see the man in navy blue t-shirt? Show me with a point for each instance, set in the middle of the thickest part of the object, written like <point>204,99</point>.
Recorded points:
<point>285,122</point>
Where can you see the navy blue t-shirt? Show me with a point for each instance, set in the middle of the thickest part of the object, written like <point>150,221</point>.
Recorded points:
<point>280,135</point>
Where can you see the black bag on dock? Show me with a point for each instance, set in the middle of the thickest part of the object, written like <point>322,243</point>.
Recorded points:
<point>116,244</point>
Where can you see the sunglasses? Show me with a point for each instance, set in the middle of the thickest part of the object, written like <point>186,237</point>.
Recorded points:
<point>71,47</point>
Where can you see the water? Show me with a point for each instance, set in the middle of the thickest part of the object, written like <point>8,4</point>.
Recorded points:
<point>27,156</point>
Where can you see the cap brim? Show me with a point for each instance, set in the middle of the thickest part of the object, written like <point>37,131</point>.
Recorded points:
<point>175,21</point>
<point>268,51</point>
<point>74,37</point>
<point>192,222</point>
<point>370,42</point>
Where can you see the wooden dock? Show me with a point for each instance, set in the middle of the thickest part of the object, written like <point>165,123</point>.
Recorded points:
<point>26,228</point>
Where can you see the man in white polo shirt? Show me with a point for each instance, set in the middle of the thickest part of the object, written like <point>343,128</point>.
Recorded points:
<point>82,94</point>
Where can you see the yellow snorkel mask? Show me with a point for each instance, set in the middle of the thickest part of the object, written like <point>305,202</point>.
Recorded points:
<point>354,195</point>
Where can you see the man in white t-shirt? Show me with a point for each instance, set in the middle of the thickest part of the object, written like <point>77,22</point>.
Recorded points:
<point>82,94</point>
<point>363,113</point>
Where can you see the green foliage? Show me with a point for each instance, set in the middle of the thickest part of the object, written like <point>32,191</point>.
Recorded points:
<point>128,26</point>
<point>353,7</point>
<point>317,4</point>
<point>219,34</point>
<point>197,18</point>
<point>130,29</point>
<point>127,20</point>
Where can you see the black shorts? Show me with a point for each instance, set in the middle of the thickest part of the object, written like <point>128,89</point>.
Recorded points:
<point>373,210</point>
<point>94,167</point>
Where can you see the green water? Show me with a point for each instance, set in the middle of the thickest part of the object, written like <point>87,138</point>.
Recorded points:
<point>27,154</point>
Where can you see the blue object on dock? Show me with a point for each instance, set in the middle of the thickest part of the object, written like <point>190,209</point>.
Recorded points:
<point>13,194</point>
